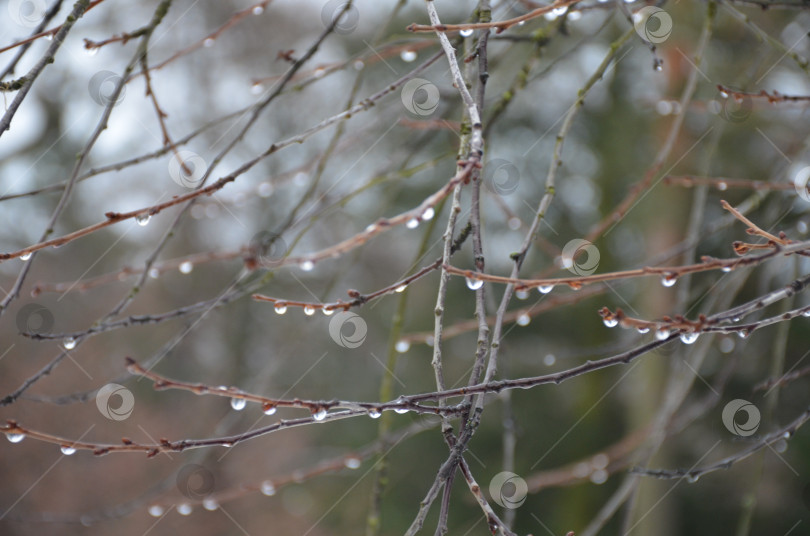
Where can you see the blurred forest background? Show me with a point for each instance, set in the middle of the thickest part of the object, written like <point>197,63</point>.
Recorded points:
<point>685,104</point>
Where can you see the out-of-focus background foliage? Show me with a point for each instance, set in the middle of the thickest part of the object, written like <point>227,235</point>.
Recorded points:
<point>377,164</point>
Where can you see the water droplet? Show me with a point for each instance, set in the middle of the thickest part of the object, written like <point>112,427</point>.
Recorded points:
<point>143,219</point>
<point>668,280</point>
<point>208,42</point>
<point>15,438</point>
<point>524,319</point>
<point>743,334</point>
<point>610,322</point>
<point>327,312</point>
<point>408,55</point>
<point>258,10</point>
<point>474,284</point>
<point>599,476</point>
<point>269,409</point>
<point>692,478</point>
<point>780,446</point>
<point>352,462</point>
<point>429,340</point>
<point>49,37</point>
<point>726,269</point>
<point>155,510</point>
<point>401,288</point>
<point>722,186</point>
<point>154,273</point>
<point>545,289</point>
<point>256,89</point>
<point>91,51</point>
<point>736,319</point>
<point>428,214</point>
<point>25,256</point>
<point>659,67</point>
<point>358,65</point>
<point>319,72</point>
<point>401,411</point>
<point>726,345</point>
<point>186,267</point>
<point>280,308</point>
<point>661,333</point>
<point>466,33</point>
<point>549,360</point>
<point>307,266</point>
<point>521,294</point>
<point>265,188</point>
<point>724,94</point>
<point>374,413</point>
<point>268,488</point>
<point>514,223</point>
<point>69,343</point>
<point>319,415</point>
<point>402,346</point>
<point>786,435</point>
<point>806,313</point>
<point>210,504</point>
<point>413,223</point>
<point>238,403</point>
<point>309,310</point>
<point>67,450</point>
<point>689,337</point>
<point>642,329</point>
<point>184,509</point>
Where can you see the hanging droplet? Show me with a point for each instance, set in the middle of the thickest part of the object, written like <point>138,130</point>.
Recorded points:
<point>726,269</point>
<point>208,43</point>
<point>722,186</point>
<point>401,411</point>
<point>524,319</point>
<point>743,334</point>
<point>69,343</point>
<point>143,219</point>
<point>154,273</point>
<point>67,450</point>
<point>268,488</point>
<point>642,329</point>
<point>806,313</point>
<point>374,413</point>
<point>407,56</point>
<point>401,288</point>
<point>689,337</point>
<point>668,280</point>
<point>319,415</point>
<point>521,294</point>
<point>610,322</point>
<point>545,289</point>
<point>692,478</point>
<point>269,409</point>
<point>155,510</point>
<point>402,346</point>
<point>238,403</point>
<point>280,308</point>
<point>15,438</point>
<point>185,267</point>
<point>307,266</point>
<point>474,284</point>
<point>428,214</point>
<point>466,33</point>
<point>210,504</point>
<point>661,333</point>
<point>787,435</point>
<point>309,310</point>
<point>258,10</point>
<point>184,509</point>
<point>25,256</point>
<point>413,223</point>
<point>327,312</point>
<point>352,462</point>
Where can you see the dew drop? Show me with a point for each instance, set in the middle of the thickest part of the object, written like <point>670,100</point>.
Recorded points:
<point>610,322</point>
<point>401,411</point>
<point>154,273</point>
<point>143,219</point>
<point>401,288</point>
<point>726,345</point>
<point>238,403</point>
<point>91,51</point>
<point>268,488</point>
<point>786,435</point>
<point>257,89</point>
<point>269,409</point>
<point>327,312</point>
<point>15,438</point>
<point>549,360</point>
<point>307,266</point>
<point>428,214</point>
<point>642,329</point>
<point>722,186</point>
<point>724,94</point>
<point>319,415</point>
<point>374,413</point>
<point>474,284</point>
<point>429,340</point>
<point>402,346</point>
<point>523,319</point>
<point>352,462</point>
<point>69,343</point>
<point>25,256</point>
<point>514,223</point>
<point>413,223</point>
<point>67,450</point>
<point>726,269</point>
<point>210,504</point>
<point>659,67</point>
<point>689,337</point>
<point>780,446</point>
<point>319,72</point>
<point>545,289</point>
<point>806,313</point>
<point>258,10</point>
<point>265,188</point>
<point>49,37</point>
<point>599,476</point>
<point>184,509</point>
<point>280,308</point>
<point>521,294</point>
<point>208,42</point>
<point>668,280</point>
<point>661,333</point>
<point>309,310</point>
<point>358,65</point>
<point>407,56</point>
<point>185,267</point>
<point>692,478</point>
<point>155,510</point>
<point>743,334</point>
<point>466,33</point>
